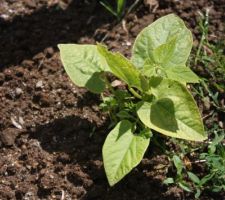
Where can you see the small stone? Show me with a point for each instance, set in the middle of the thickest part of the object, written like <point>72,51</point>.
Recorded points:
<point>19,91</point>
<point>28,63</point>
<point>49,51</point>
<point>39,84</point>
<point>38,56</point>
<point>19,71</point>
<point>128,43</point>
<point>64,158</point>
<point>4,16</point>
<point>30,3</point>
<point>8,74</point>
<point>134,30</point>
<point>15,123</point>
<point>43,99</point>
<point>21,121</point>
<point>8,136</point>
<point>221,124</point>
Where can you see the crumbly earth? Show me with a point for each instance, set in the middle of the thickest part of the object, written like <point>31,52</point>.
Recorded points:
<point>52,132</point>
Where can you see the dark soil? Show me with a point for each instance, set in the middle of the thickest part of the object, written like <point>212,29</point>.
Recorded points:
<point>51,132</point>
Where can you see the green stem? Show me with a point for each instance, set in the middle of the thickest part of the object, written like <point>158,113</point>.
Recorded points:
<point>199,48</point>
<point>132,6</point>
<point>108,84</point>
<point>135,93</point>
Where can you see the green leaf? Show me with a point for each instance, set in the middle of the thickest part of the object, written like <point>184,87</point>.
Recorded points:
<point>173,112</point>
<point>108,7</point>
<point>193,177</point>
<point>163,53</point>
<point>120,7</point>
<point>149,68</point>
<point>206,178</point>
<point>167,41</point>
<point>168,181</point>
<point>121,67</point>
<point>185,186</point>
<point>181,74</point>
<point>84,65</point>
<point>123,150</point>
<point>178,164</point>
<point>123,114</point>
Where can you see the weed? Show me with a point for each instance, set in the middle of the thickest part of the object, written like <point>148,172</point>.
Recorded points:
<point>209,154</point>
<point>119,11</point>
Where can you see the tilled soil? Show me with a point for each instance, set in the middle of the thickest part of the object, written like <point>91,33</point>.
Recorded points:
<point>51,132</point>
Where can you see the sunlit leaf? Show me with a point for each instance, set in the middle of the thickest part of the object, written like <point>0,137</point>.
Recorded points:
<point>84,65</point>
<point>123,150</point>
<point>121,67</point>
<point>167,41</point>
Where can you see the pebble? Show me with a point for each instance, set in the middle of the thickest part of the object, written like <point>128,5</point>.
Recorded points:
<point>28,63</point>
<point>19,91</point>
<point>49,51</point>
<point>30,3</point>
<point>8,74</point>
<point>38,56</point>
<point>4,16</point>
<point>39,84</point>
<point>8,136</point>
<point>19,71</point>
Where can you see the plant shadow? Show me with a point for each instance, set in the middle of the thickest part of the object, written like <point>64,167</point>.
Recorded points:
<point>163,115</point>
<point>73,136</point>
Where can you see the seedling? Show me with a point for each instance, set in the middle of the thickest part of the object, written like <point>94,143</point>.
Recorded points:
<point>119,11</point>
<point>120,8</point>
<point>179,179</point>
<point>211,154</point>
<point>156,97</point>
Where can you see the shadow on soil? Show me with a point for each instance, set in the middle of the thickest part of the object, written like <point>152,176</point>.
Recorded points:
<point>74,137</point>
<point>28,35</point>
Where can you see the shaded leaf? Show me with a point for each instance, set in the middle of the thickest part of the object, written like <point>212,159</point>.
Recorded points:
<point>173,112</point>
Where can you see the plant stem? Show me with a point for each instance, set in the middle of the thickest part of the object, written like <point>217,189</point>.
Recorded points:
<point>108,84</point>
<point>132,6</point>
<point>135,93</point>
<point>199,48</point>
<point>204,27</point>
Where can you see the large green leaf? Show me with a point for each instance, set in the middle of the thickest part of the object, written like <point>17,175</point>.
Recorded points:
<point>123,150</point>
<point>167,40</point>
<point>84,65</point>
<point>121,67</point>
<point>173,112</point>
<point>163,53</point>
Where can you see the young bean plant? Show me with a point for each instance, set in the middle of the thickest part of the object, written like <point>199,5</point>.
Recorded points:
<point>155,97</point>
